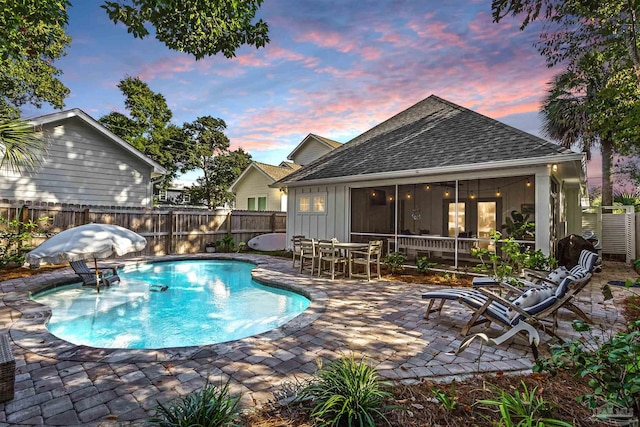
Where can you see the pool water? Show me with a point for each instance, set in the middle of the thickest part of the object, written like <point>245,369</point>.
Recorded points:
<point>206,302</point>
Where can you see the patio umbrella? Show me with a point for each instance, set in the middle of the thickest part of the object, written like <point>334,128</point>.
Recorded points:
<point>86,242</point>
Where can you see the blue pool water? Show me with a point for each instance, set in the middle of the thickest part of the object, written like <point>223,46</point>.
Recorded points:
<point>206,302</point>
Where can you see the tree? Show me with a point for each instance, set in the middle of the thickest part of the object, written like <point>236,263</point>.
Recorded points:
<point>193,26</point>
<point>20,149</point>
<point>32,37</point>
<point>584,106</point>
<point>148,128</point>
<point>577,26</point>
<point>209,151</point>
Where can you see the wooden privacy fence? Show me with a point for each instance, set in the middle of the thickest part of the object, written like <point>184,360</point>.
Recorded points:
<point>167,231</point>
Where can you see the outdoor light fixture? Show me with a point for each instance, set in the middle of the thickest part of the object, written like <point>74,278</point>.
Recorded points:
<point>554,168</point>
<point>498,192</point>
<point>427,187</point>
<point>373,194</point>
<point>473,196</point>
<point>446,193</point>
<point>408,195</point>
<point>528,183</point>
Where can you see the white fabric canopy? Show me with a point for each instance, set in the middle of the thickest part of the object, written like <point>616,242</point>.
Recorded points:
<point>88,241</point>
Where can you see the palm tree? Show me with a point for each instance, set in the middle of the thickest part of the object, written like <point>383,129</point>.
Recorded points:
<point>20,149</point>
<point>568,115</point>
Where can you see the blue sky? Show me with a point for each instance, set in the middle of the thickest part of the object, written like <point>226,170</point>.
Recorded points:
<point>334,68</point>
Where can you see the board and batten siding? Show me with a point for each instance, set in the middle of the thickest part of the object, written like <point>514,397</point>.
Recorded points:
<point>333,223</point>
<point>82,166</point>
<point>310,151</point>
<point>256,184</point>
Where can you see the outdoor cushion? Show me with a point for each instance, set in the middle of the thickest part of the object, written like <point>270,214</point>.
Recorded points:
<point>578,272</point>
<point>588,260</point>
<point>558,274</point>
<point>529,299</point>
<point>564,286</point>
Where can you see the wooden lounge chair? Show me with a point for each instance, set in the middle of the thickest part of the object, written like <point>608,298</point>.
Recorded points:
<point>107,276</point>
<point>533,306</point>
<point>366,258</point>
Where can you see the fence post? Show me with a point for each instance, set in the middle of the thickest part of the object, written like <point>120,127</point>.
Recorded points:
<point>167,244</point>
<point>24,214</point>
<point>229,221</point>
<point>86,216</point>
<point>273,222</point>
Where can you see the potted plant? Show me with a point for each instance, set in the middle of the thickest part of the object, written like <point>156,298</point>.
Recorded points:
<point>210,247</point>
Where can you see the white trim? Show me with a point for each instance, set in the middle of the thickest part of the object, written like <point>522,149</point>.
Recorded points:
<point>235,183</point>
<point>420,173</point>
<point>304,142</point>
<point>76,112</point>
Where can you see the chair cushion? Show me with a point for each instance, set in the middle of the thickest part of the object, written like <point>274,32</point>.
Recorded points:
<point>587,260</point>
<point>578,272</point>
<point>562,289</point>
<point>558,274</point>
<point>530,298</point>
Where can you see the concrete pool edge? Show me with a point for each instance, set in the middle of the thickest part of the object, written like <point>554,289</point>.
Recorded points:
<point>30,333</point>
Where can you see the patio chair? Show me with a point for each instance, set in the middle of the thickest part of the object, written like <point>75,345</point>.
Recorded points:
<point>366,258</point>
<point>308,248</point>
<point>295,247</point>
<point>329,254</point>
<point>532,305</point>
<point>107,276</point>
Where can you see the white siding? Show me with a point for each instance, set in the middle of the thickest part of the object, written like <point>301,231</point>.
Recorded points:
<point>256,184</point>
<point>311,151</point>
<point>82,166</point>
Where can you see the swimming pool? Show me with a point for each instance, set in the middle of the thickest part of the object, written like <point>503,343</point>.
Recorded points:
<point>206,302</point>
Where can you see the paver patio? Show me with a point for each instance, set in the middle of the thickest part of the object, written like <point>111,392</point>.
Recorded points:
<point>58,383</point>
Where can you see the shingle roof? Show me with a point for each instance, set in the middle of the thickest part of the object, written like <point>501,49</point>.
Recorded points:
<point>331,142</point>
<point>277,172</point>
<point>432,133</point>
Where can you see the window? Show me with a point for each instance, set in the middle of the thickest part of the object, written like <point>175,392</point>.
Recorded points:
<point>316,203</point>
<point>186,198</point>
<point>304,204</point>
<point>162,195</point>
<point>257,203</point>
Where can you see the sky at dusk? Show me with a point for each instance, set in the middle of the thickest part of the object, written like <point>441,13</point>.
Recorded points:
<point>333,68</point>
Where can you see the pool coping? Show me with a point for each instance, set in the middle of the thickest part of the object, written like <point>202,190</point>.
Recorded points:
<point>29,330</point>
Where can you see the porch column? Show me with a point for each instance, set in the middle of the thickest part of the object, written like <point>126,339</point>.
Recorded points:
<point>573,210</point>
<point>543,212</point>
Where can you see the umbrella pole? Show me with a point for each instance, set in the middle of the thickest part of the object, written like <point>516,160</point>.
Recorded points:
<point>95,265</point>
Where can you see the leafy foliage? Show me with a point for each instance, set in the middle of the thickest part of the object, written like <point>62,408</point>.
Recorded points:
<point>347,392</point>
<point>20,147</point>
<point>226,244</point>
<point>210,407</point>
<point>523,408</point>
<point>196,27</point>
<point>33,37</point>
<point>518,226</point>
<point>14,238</point>
<point>612,367</point>
<point>395,261</point>
<point>423,264</point>
<point>448,401</point>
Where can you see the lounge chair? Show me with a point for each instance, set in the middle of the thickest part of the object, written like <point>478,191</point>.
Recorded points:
<point>532,305</point>
<point>107,276</point>
<point>366,258</point>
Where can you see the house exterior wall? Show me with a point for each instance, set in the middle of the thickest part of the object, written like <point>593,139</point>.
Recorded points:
<point>255,184</point>
<point>310,151</point>
<point>84,167</point>
<point>336,221</point>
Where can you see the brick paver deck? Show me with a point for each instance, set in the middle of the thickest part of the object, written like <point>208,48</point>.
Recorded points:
<point>58,383</point>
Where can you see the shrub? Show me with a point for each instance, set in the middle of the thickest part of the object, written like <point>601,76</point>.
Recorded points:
<point>448,401</point>
<point>523,408</point>
<point>226,244</point>
<point>424,265</point>
<point>612,367</point>
<point>347,392</point>
<point>14,238</point>
<point>209,407</point>
<point>395,261</point>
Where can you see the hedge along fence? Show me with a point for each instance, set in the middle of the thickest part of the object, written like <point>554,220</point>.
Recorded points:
<point>167,231</point>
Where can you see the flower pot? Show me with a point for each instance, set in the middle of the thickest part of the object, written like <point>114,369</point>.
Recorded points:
<point>210,249</point>
<point>612,416</point>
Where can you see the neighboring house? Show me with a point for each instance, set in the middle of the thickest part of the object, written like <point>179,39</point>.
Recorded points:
<point>85,164</point>
<point>252,191</point>
<point>251,188</point>
<point>437,178</point>
<point>174,195</point>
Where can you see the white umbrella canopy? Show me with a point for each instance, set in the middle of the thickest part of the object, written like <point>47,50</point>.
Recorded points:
<point>88,241</point>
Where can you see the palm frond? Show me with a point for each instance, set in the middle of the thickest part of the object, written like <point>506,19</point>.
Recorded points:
<point>21,149</point>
